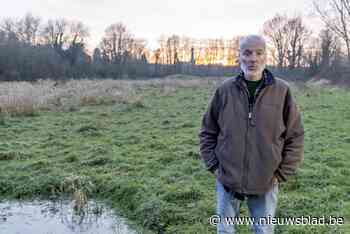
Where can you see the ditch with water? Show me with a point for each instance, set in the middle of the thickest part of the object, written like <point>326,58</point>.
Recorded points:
<point>60,217</point>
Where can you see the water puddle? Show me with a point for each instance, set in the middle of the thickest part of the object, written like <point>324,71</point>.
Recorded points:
<point>47,217</point>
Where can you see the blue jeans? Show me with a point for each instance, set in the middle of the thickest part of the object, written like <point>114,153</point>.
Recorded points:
<point>258,205</point>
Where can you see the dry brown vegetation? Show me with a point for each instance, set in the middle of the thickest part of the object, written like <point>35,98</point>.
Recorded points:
<point>26,98</point>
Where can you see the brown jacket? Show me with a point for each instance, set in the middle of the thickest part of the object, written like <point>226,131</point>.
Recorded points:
<point>252,144</point>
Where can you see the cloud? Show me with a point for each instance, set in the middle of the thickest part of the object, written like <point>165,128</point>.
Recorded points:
<point>150,19</point>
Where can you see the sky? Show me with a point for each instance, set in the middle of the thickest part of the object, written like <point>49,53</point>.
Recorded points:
<point>152,18</point>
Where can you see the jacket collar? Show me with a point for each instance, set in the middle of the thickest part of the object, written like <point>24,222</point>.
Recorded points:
<point>268,77</point>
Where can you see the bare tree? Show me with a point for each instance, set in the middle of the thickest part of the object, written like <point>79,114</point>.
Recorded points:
<point>312,54</point>
<point>173,44</point>
<point>67,38</point>
<point>78,32</point>
<point>8,27</point>
<point>328,47</point>
<point>137,48</point>
<point>22,30</point>
<point>297,34</point>
<point>336,15</point>
<point>63,33</point>
<point>116,42</point>
<point>55,33</point>
<point>157,56</point>
<point>185,49</point>
<point>28,28</point>
<point>274,29</point>
<point>162,49</point>
<point>287,35</point>
<point>232,51</point>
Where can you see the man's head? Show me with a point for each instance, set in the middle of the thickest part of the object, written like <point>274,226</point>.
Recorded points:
<point>252,56</point>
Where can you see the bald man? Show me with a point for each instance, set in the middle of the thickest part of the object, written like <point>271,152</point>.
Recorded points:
<point>251,139</point>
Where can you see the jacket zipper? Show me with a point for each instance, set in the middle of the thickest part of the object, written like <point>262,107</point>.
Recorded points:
<point>244,179</point>
<point>251,105</point>
<point>250,113</point>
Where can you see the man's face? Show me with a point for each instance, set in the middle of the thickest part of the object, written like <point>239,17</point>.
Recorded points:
<point>252,59</point>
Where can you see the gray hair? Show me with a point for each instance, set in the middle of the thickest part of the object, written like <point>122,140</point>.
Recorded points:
<point>256,39</point>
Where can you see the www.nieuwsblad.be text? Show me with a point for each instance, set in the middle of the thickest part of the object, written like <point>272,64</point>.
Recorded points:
<point>302,220</point>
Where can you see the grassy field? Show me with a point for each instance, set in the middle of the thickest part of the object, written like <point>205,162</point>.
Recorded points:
<point>138,150</point>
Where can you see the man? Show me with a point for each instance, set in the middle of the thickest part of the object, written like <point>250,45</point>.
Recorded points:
<point>252,138</point>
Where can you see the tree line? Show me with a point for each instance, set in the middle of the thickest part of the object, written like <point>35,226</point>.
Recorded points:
<point>31,48</point>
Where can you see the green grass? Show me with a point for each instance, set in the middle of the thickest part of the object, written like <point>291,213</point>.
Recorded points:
<point>143,159</point>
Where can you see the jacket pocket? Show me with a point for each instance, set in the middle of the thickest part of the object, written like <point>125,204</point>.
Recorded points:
<point>277,154</point>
